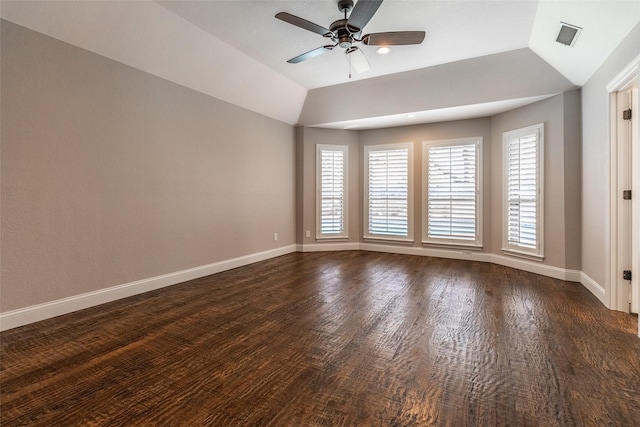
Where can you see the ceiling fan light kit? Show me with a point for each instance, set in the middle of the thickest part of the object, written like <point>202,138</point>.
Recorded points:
<point>346,32</point>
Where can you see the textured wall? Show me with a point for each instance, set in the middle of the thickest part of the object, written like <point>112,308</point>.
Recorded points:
<point>561,116</point>
<point>561,174</point>
<point>508,75</point>
<point>309,139</point>
<point>573,179</point>
<point>356,140</point>
<point>111,175</point>
<point>434,132</point>
<point>595,159</point>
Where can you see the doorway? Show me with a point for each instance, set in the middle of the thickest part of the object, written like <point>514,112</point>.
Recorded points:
<point>625,190</point>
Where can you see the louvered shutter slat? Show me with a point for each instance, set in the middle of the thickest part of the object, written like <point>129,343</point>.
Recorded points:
<point>522,190</point>
<point>451,191</point>
<point>332,192</point>
<point>388,174</point>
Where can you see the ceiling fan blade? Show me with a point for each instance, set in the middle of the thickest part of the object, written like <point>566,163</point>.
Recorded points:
<point>311,54</point>
<point>359,61</point>
<point>362,12</point>
<point>302,23</point>
<point>394,38</point>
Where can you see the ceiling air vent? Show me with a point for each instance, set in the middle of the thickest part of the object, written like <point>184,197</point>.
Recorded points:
<point>567,34</point>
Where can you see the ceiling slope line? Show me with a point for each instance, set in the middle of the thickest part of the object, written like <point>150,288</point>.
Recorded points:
<point>152,39</point>
<point>503,77</point>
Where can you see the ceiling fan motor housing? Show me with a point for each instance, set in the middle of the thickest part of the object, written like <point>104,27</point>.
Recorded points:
<point>343,35</point>
<point>345,6</point>
<point>346,32</point>
<point>345,42</point>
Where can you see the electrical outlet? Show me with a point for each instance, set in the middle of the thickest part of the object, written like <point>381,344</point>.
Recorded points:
<point>275,237</point>
<point>307,233</point>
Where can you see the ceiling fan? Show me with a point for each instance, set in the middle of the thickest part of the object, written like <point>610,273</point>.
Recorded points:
<point>345,33</point>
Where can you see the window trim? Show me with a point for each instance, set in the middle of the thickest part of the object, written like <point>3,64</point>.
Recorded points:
<point>535,254</point>
<point>381,237</point>
<point>345,226</point>
<point>453,242</point>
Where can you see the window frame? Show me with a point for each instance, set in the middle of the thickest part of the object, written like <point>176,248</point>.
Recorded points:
<point>367,235</point>
<point>510,248</point>
<point>345,196</point>
<point>477,242</point>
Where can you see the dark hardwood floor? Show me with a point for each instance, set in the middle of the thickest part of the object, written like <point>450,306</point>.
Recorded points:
<point>332,339</point>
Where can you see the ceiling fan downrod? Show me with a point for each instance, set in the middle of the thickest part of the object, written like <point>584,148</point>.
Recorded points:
<point>345,6</point>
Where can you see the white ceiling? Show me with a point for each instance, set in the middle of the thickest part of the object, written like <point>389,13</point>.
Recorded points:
<point>455,30</point>
<point>446,114</point>
<point>237,51</point>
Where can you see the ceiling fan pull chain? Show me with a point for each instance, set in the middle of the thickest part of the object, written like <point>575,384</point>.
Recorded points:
<point>349,65</point>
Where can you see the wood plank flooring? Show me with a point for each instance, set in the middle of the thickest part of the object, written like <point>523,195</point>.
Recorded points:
<point>332,339</point>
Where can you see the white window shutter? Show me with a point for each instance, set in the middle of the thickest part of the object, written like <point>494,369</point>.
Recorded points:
<point>388,213</point>
<point>452,192</point>
<point>452,211</point>
<point>523,191</point>
<point>331,198</point>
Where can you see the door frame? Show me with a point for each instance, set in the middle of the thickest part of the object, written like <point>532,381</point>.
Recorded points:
<point>628,78</point>
<point>635,179</point>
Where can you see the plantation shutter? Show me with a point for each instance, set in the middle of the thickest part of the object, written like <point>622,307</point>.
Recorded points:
<point>388,191</point>
<point>332,192</point>
<point>452,192</point>
<point>522,189</point>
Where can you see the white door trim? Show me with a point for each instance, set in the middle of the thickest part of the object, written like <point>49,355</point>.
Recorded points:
<point>635,209</point>
<point>617,292</point>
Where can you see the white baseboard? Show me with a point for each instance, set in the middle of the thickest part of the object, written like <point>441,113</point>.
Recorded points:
<point>24,316</point>
<point>469,255</point>
<point>537,268</point>
<point>517,263</point>
<point>13,319</point>
<point>422,251</point>
<point>330,247</point>
<point>594,288</point>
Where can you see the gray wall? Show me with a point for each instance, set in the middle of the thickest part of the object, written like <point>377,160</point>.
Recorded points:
<point>595,159</point>
<point>308,139</point>
<point>573,179</point>
<point>110,175</point>
<point>471,81</point>
<point>561,116</point>
<point>431,132</point>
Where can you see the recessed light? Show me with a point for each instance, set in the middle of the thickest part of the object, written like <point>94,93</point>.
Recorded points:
<point>383,50</point>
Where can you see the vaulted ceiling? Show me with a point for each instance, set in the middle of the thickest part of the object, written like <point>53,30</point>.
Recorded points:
<point>237,52</point>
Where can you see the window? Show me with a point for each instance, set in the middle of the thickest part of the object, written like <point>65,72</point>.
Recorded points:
<point>452,206</point>
<point>523,195</point>
<point>331,191</point>
<point>388,205</point>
